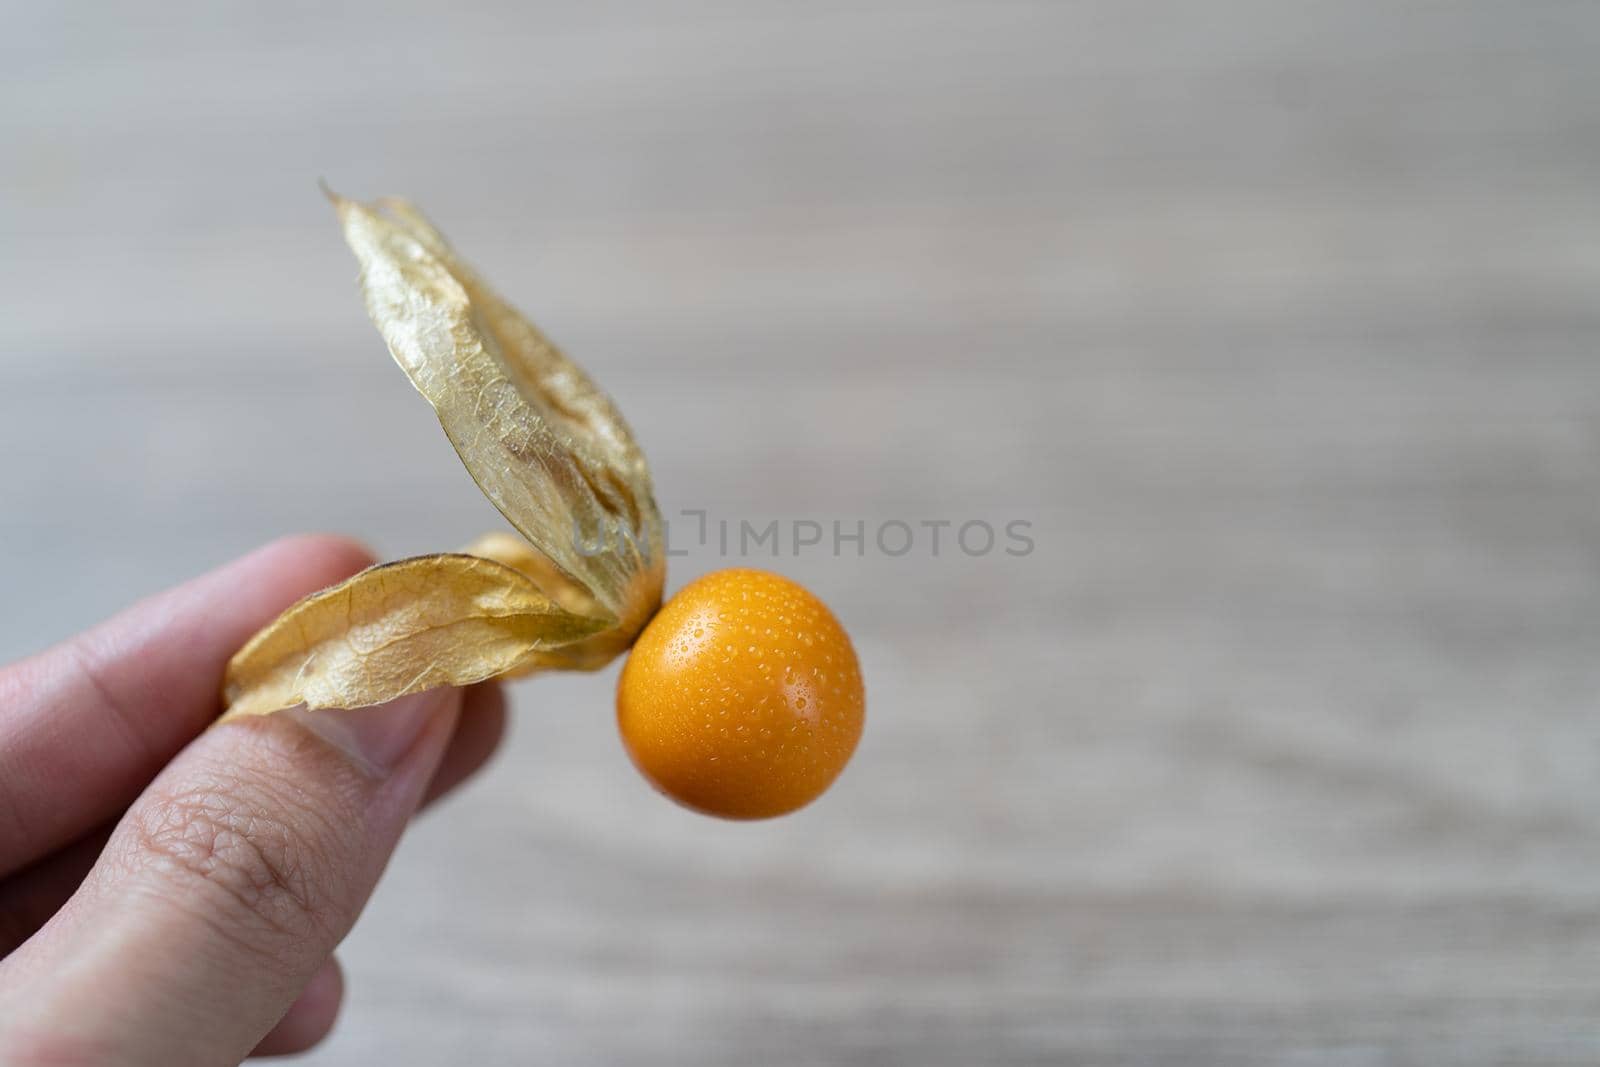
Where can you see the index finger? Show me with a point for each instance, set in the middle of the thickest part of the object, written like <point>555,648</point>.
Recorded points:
<point>85,725</point>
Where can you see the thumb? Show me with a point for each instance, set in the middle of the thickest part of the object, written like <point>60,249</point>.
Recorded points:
<point>225,887</point>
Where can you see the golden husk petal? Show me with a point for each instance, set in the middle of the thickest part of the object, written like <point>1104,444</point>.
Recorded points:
<point>545,445</point>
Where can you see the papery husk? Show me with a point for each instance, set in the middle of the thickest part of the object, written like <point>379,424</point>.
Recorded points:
<point>399,628</point>
<point>545,445</point>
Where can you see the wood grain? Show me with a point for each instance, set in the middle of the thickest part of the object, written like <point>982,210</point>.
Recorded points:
<point>1276,319</point>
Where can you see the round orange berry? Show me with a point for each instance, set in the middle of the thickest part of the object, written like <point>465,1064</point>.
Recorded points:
<point>742,697</point>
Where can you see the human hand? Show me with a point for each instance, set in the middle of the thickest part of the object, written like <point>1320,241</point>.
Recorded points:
<point>171,894</point>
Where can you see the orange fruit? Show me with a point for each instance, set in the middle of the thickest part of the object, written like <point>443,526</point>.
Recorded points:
<point>742,697</point>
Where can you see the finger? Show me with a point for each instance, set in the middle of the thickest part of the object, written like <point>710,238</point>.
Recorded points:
<point>227,885</point>
<point>29,897</point>
<point>85,725</point>
<point>310,1017</point>
<point>478,733</point>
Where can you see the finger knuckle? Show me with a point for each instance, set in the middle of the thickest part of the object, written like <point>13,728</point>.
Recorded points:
<point>261,858</point>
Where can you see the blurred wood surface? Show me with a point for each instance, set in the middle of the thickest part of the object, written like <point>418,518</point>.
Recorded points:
<point>1278,320</point>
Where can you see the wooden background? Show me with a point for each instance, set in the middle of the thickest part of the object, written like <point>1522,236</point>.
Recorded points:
<point>1277,320</point>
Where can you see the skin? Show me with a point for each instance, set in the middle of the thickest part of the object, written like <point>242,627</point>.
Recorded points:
<point>743,697</point>
<point>171,875</point>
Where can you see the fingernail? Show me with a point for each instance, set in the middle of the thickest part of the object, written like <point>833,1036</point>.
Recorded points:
<point>378,738</point>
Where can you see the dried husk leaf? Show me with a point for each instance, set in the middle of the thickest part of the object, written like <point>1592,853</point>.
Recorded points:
<point>399,628</point>
<point>589,654</point>
<point>546,446</point>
